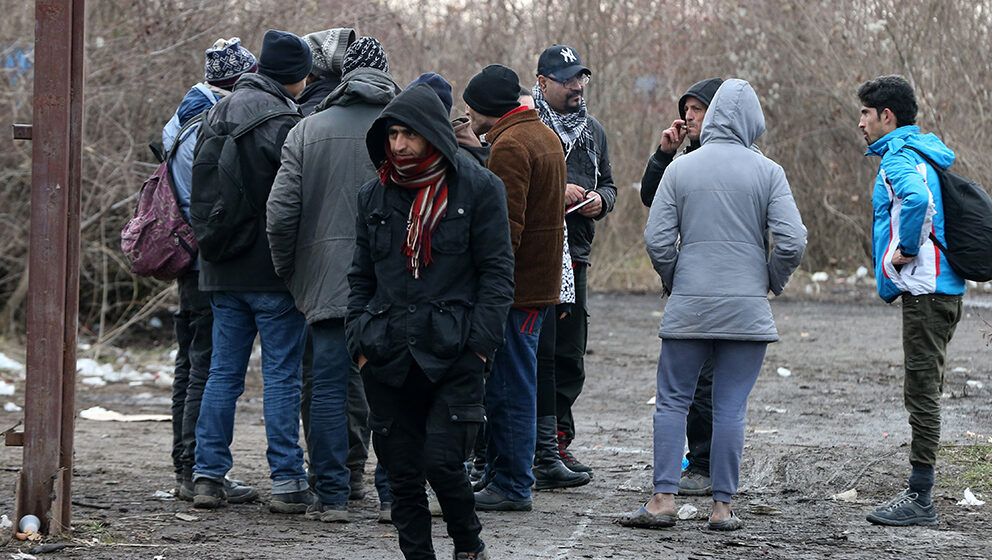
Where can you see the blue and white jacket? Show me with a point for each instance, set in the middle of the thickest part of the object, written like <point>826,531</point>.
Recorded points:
<point>198,99</point>
<point>907,209</point>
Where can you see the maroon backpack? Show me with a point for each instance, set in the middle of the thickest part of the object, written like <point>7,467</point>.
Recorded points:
<point>158,241</point>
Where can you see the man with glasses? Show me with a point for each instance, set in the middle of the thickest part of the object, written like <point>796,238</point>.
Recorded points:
<point>559,99</point>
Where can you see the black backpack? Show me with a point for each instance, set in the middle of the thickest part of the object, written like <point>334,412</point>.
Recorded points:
<point>223,216</point>
<point>967,224</point>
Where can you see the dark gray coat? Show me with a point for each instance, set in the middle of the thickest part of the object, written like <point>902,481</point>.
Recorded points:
<point>707,234</point>
<point>311,209</point>
<point>598,177</point>
<point>258,152</point>
<point>459,304</point>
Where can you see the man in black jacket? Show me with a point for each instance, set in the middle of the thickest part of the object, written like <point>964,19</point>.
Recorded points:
<point>247,297</point>
<point>431,285</point>
<point>695,479</point>
<point>558,96</point>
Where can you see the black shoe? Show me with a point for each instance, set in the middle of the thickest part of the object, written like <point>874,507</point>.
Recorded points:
<point>568,459</point>
<point>556,475</point>
<point>328,513</point>
<point>480,554</point>
<point>904,509</point>
<point>693,483</point>
<point>385,512</point>
<point>291,502</point>
<point>209,493</point>
<point>356,486</point>
<point>488,499</point>
<point>238,492</point>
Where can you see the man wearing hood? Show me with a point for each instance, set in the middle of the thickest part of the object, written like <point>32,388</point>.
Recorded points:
<point>707,237</point>
<point>560,101</point>
<point>328,48</point>
<point>695,480</point>
<point>224,63</point>
<point>311,229</point>
<point>431,285</point>
<point>907,235</point>
<point>247,297</point>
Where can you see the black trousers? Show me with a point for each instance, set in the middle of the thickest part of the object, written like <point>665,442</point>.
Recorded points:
<point>699,421</point>
<point>422,431</point>
<point>570,351</point>
<point>193,324</point>
<point>546,392</point>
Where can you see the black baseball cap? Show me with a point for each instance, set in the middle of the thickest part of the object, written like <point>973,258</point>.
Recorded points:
<point>561,61</point>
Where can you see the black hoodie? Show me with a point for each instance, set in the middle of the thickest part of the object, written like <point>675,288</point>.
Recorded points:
<point>703,91</point>
<point>460,303</point>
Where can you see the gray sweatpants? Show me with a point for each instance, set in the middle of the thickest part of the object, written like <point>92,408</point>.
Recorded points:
<point>736,365</point>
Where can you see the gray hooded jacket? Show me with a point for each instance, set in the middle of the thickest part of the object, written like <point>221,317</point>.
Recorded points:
<point>310,215</point>
<point>707,234</point>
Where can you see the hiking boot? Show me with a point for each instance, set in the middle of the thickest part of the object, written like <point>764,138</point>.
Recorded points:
<point>328,513</point>
<point>477,471</point>
<point>549,472</point>
<point>291,502</point>
<point>433,504</point>
<point>693,483</point>
<point>568,459</point>
<point>488,499</point>
<point>356,486</point>
<point>208,493</point>
<point>904,509</point>
<point>185,490</point>
<point>238,492</point>
<point>385,512</point>
<point>480,554</point>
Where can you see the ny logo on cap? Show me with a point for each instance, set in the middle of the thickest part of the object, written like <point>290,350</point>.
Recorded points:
<point>568,55</point>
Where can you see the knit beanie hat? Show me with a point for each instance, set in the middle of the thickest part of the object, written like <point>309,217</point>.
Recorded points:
<point>328,48</point>
<point>366,52</point>
<point>285,57</point>
<point>226,61</point>
<point>494,91</point>
<point>440,86</point>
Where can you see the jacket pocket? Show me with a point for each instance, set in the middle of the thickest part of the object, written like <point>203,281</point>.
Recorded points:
<point>380,235</point>
<point>452,234</point>
<point>373,333</point>
<point>449,328</point>
<point>467,413</point>
<point>380,425</point>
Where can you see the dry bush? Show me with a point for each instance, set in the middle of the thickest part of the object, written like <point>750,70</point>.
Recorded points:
<point>805,60</point>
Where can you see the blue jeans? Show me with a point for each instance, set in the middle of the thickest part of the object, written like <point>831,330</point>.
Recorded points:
<point>238,316</point>
<point>736,365</point>
<point>511,406</point>
<point>328,420</point>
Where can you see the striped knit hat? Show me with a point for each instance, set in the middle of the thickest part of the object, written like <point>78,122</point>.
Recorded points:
<point>366,52</point>
<point>226,61</point>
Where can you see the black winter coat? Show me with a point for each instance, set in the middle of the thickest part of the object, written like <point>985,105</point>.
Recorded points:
<point>259,151</point>
<point>460,303</point>
<point>598,177</point>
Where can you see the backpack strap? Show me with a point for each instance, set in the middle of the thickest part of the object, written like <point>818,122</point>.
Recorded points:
<point>931,163</point>
<point>247,126</point>
<point>179,136</point>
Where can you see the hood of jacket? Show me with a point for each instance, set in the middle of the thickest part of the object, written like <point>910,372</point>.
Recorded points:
<point>264,83</point>
<point>194,103</point>
<point>703,91</point>
<point>421,109</point>
<point>734,115</point>
<point>362,85</point>
<point>928,143</point>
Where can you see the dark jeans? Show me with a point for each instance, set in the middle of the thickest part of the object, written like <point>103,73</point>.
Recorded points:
<point>699,422</point>
<point>928,323</point>
<point>423,431</point>
<point>193,323</point>
<point>570,351</point>
<point>328,425</point>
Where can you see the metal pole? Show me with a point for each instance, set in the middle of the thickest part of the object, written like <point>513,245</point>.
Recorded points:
<point>53,264</point>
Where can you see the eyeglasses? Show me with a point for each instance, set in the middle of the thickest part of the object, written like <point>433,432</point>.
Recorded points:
<point>578,80</point>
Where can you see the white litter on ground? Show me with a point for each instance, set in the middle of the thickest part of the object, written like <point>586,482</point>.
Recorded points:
<point>973,383</point>
<point>652,400</point>
<point>100,414</point>
<point>5,522</point>
<point>8,364</point>
<point>861,272</point>
<point>970,499</point>
<point>846,496</point>
<point>11,407</point>
<point>819,277</point>
<point>687,511</point>
<point>783,372</point>
<point>94,381</point>
<point>960,369</point>
<point>6,389</point>
<point>776,410</point>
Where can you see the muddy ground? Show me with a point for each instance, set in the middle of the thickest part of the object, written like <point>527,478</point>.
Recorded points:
<point>835,423</point>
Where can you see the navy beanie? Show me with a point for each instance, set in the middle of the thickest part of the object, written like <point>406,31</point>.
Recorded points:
<point>285,57</point>
<point>440,86</point>
<point>493,92</point>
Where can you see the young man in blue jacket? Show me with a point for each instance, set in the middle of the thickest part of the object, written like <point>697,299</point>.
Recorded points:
<point>908,213</point>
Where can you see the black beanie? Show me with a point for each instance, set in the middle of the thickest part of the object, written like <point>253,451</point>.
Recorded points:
<point>285,57</point>
<point>703,91</point>
<point>494,91</point>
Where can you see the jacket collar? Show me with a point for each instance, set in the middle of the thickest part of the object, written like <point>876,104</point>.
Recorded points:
<point>892,141</point>
<point>509,120</point>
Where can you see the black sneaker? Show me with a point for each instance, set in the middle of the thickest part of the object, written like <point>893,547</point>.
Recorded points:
<point>693,483</point>
<point>480,554</point>
<point>488,499</point>
<point>209,493</point>
<point>291,502</point>
<point>328,513</point>
<point>568,459</point>
<point>904,510</point>
<point>238,492</point>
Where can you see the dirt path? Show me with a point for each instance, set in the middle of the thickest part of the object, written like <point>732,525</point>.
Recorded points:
<point>835,423</point>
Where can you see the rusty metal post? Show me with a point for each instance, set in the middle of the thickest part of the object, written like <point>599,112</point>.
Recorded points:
<point>53,265</point>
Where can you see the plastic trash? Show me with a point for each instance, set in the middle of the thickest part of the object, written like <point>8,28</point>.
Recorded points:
<point>970,499</point>
<point>685,463</point>
<point>29,523</point>
<point>687,511</point>
<point>783,372</point>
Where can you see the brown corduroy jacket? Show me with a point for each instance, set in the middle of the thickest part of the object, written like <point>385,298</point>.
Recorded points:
<point>528,157</point>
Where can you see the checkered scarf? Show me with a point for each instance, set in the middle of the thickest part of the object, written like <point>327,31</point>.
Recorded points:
<point>428,175</point>
<point>571,128</point>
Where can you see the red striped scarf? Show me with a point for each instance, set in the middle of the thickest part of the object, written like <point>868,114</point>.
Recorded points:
<point>428,175</point>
